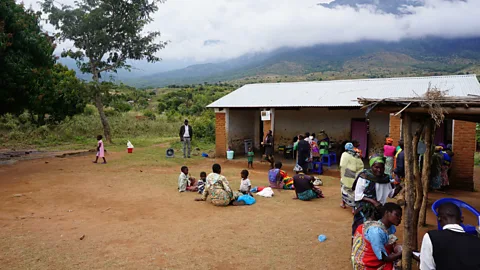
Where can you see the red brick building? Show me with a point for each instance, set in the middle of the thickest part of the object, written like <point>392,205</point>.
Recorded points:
<point>332,106</point>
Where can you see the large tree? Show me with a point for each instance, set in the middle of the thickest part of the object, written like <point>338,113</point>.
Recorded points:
<point>26,53</point>
<point>106,33</point>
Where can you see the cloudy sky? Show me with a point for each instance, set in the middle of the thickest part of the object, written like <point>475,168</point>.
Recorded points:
<point>212,30</point>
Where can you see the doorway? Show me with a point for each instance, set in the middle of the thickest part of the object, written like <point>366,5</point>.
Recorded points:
<point>359,131</point>
<point>260,132</point>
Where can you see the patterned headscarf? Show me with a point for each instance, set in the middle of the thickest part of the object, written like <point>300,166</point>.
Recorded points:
<point>349,147</point>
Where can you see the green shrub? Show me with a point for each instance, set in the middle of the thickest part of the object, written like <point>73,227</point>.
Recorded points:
<point>121,106</point>
<point>150,115</point>
<point>90,110</point>
<point>110,112</point>
<point>9,122</point>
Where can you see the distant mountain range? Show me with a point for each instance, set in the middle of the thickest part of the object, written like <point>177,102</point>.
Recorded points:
<point>387,6</point>
<point>428,56</point>
<point>365,59</point>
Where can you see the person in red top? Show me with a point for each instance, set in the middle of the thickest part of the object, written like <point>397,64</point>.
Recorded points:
<point>389,154</point>
<point>374,243</point>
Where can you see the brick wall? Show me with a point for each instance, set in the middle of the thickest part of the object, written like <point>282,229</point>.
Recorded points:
<point>394,129</point>
<point>464,149</point>
<point>220,135</point>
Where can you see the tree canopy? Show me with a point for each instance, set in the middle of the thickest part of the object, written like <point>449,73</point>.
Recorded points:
<point>26,55</point>
<point>106,33</point>
<point>59,94</point>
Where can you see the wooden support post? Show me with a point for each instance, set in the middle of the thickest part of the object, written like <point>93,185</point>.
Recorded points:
<point>418,186</point>
<point>409,193</point>
<point>426,169</point>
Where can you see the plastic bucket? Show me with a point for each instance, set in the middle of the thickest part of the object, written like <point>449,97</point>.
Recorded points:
<point>130,150</point>
<point>230,155</point>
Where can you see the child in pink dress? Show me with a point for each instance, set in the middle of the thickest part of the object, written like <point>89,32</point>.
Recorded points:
<point>100,150</point>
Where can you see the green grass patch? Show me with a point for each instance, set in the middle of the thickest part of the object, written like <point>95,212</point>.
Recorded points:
<point>153,153</point>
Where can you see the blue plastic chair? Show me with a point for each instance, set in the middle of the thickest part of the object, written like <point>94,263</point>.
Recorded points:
<point>317,167</point>
<point>470,229</point>
<point>333,156</point>
<point>329,159</point>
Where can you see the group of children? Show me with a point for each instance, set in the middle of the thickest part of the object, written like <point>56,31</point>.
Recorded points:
<point>188,183</point>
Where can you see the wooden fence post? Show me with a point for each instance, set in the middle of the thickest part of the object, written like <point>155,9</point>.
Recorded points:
<point>418,186</point>
<point>409,193</point>
<point>426,169</point>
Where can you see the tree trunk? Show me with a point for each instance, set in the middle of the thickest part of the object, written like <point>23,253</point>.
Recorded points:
<point>103,117</point>
<point>409,193</point>
<point>427,159</point>
<point>99,105</point>
<point>418,187</point>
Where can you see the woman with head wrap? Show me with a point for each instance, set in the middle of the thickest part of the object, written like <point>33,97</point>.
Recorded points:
<point>372,188</point>
<point>436,169</point>
<point>389,153</point>
<point>350,165</point>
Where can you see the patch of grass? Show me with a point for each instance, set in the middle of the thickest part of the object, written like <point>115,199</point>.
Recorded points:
<point>80,131</point>
<point>153,152</point>
<point>477,159</point>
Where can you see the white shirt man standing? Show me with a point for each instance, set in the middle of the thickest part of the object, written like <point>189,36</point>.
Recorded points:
<point>186,134</point>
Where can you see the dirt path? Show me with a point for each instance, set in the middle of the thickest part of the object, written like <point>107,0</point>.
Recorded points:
<point>132,217</point>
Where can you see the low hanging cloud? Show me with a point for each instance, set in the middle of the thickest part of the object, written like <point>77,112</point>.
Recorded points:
<point>210,30</point>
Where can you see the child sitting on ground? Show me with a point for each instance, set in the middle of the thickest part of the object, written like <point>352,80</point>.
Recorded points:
<point>201,182</point>
<point>245,184</point>
<point>251,155</point>
<point>100,150</point>
<point>185,181</point>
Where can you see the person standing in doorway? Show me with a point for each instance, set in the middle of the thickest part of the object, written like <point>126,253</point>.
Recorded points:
<point>268,146</point>
<point>186,134</point>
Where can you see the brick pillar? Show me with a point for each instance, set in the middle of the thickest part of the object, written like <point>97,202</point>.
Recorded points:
<point>464,150</point>
<point>394,129</point>
<point>220,134</point>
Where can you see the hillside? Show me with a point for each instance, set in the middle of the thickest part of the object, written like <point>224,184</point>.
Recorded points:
<point>431,56</point>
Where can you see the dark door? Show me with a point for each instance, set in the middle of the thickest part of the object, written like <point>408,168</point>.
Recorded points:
<point>359,133</point>
<point>440,135</point>
<point>260,133</point>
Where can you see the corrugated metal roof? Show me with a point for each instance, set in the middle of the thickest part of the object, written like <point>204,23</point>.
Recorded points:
<point>342,93</point>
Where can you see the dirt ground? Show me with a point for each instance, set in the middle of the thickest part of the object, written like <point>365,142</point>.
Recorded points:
<point>130,216</point>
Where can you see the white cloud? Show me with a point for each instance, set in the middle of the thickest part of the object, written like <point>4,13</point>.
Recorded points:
<point>245,26</point>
